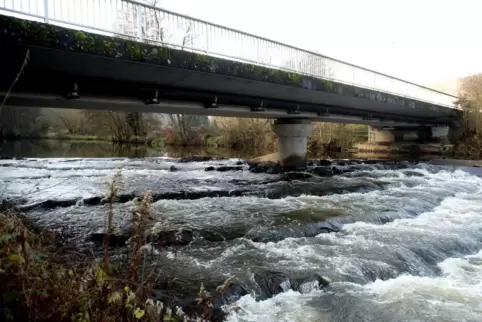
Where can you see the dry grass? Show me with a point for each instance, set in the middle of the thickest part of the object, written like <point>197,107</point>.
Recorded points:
<point>327,136</point>
<point>244,132</point>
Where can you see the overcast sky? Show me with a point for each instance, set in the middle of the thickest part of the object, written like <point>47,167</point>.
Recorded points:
<point>425,41</point>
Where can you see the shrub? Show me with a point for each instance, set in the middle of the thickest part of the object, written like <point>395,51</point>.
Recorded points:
<point>248,132</point>
<point>39,282</point>
<point>333,135</point>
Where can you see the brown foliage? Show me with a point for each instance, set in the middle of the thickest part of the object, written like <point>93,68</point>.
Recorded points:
<point>470,143</point>
<point>237,132</point>
<point>334,135</point>
<point>471,103</point>
<point>40,283</point>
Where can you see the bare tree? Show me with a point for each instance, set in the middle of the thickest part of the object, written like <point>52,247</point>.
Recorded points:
<point>183,125</point>
<point>153,28</point>
<point>189,37</point>
<point>471,103</point>
<point>21,121</point>
<point>311,64</point>
<point>72,120</point>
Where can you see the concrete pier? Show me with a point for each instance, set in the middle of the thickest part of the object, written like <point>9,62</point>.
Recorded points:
<point>292,140</point>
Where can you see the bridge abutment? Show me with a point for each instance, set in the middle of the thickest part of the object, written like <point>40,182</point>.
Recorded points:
<point>390,135</point>
<point>440,133</point>
<point>424,134</point>
<point>292,140</point>
<point>422,139</point>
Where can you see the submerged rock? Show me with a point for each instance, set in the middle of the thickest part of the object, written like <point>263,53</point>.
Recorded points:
<point>228,168</point>
<point>270,168</point>
<point>115,240</point>
<point>336,171</point>
<point>371,161</point>
<point>173,169</point>
<point>172,238</point>
<point>196,158</point>
<point>182,237</point>
<point>49,204</point>
<point>209,169</point>
<point>413,173</point>
<point>293,162</point>
<point>272,283</point>
<point>325,162</point>
<point>290,176</point>
<point>322,171</point>
<point>274,169</point>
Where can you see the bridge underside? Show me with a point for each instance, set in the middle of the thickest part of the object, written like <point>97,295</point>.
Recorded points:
<point>106,83</point>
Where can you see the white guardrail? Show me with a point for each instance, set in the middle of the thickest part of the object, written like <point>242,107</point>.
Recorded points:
<point>146,23</point>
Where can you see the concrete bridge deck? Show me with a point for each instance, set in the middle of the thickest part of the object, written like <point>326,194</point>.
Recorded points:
<point>113,73</point>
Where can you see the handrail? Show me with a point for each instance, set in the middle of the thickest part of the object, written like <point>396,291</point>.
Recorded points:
<point>149,23</point>
<point>281,44</point>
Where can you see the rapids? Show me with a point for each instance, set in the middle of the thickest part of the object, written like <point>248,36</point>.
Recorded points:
<point>399,241</point>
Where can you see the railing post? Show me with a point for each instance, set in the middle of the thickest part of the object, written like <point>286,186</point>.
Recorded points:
<point>46,11</point>
<point>139,22</point>
<point>257,50</point>
<point>207,39</point>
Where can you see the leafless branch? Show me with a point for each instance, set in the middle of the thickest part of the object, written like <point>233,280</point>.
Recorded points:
<point>21,71</point>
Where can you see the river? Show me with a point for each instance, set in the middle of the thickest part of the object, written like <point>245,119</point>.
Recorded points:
<point>398,240</point>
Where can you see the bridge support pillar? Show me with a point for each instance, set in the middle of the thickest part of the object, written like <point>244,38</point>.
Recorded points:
<point>292,140</point>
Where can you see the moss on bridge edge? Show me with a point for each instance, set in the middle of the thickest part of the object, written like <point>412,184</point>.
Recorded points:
<point>20,31</point>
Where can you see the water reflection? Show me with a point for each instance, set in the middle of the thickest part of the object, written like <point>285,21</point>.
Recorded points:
<point>89,149</point>
<point>96,149</point>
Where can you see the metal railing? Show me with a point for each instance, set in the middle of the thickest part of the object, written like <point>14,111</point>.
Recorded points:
<point>145,23</point>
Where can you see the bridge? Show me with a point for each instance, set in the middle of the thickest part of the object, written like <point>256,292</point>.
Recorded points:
<point>128,56</point>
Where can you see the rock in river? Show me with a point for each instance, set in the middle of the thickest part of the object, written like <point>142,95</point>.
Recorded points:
<point>272,282</point>
<point>196,158</point>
